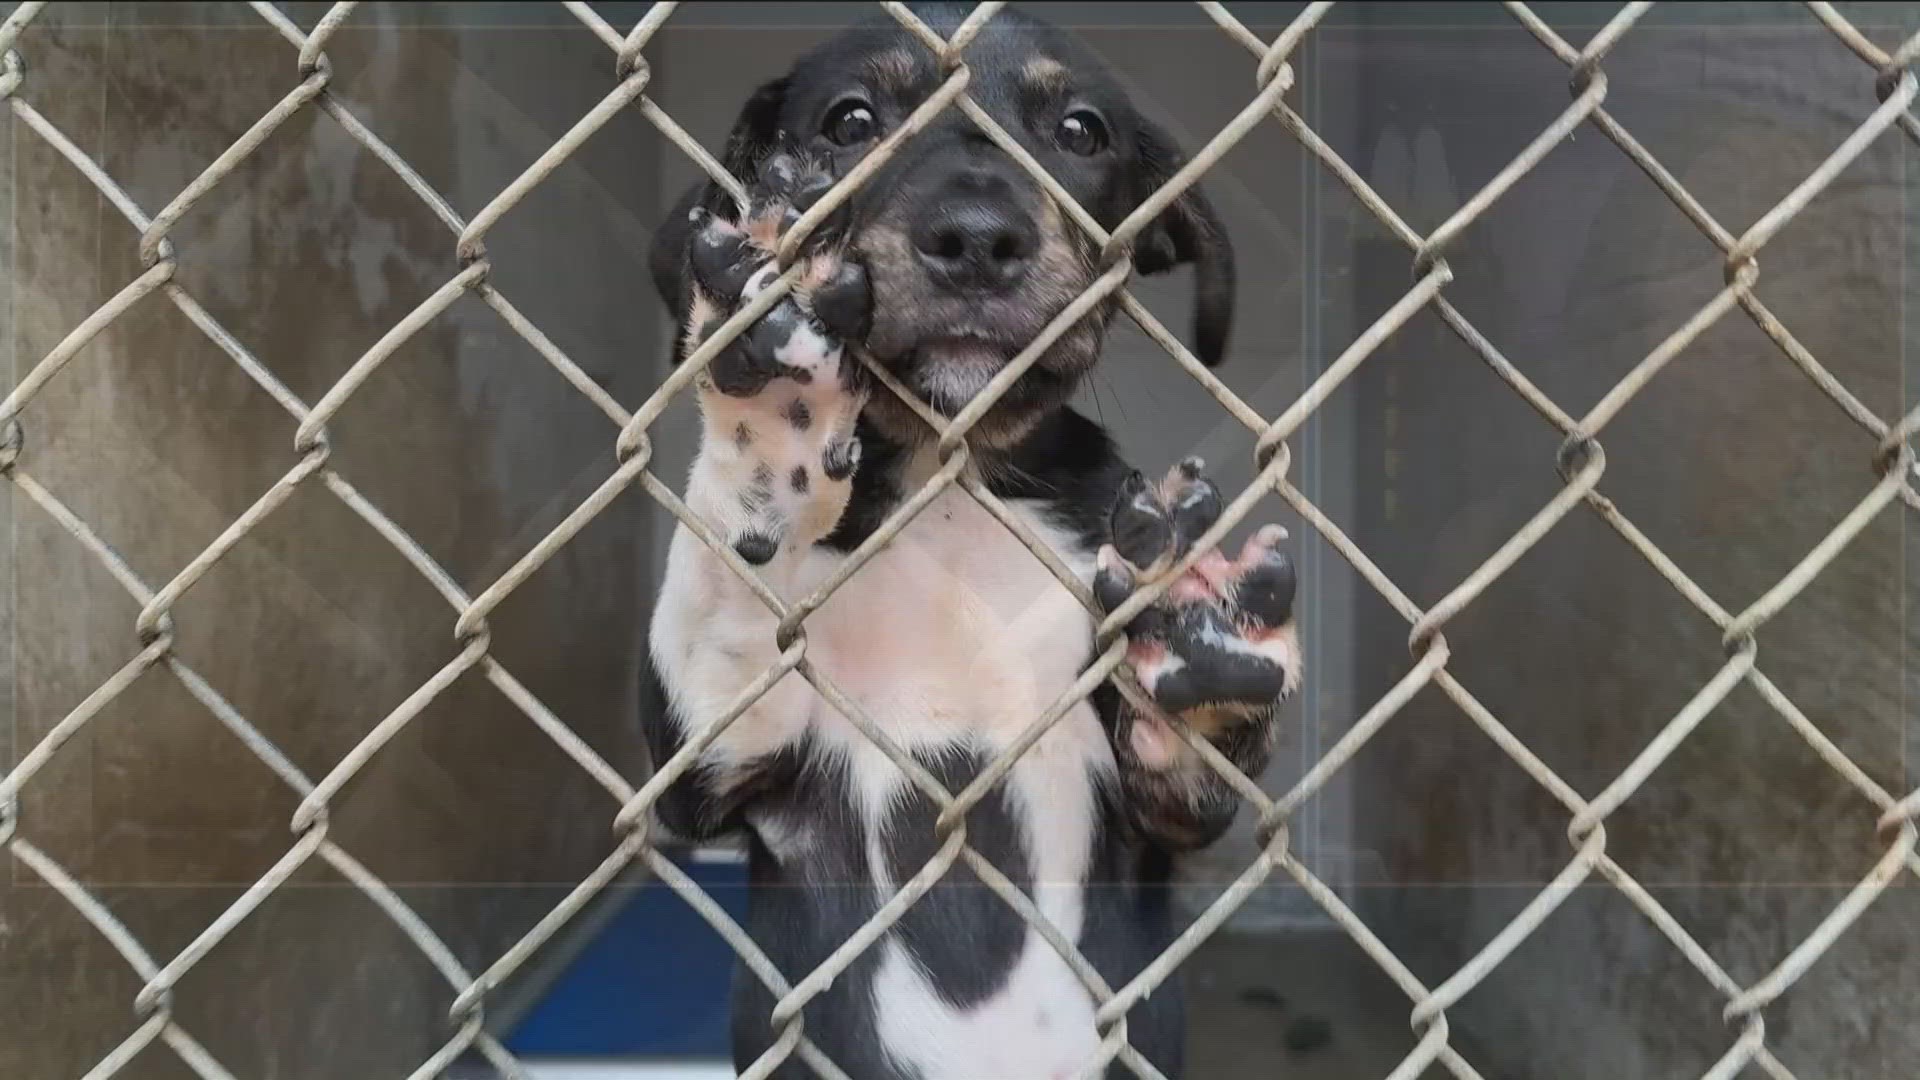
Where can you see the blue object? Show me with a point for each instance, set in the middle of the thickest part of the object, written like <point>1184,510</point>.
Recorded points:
<point>653,982</point>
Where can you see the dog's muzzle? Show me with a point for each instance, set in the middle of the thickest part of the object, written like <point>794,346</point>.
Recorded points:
<point>969,264</point>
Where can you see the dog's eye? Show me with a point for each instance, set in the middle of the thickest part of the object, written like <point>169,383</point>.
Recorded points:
<point>1082,133</point>
<point>849,123</point>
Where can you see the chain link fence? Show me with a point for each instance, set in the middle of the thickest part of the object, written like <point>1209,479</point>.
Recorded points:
<point>1885,487</point>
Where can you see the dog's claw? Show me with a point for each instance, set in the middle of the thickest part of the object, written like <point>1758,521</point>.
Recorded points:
<point>1196,506</point>
<point>1141,530</point>
<point>1265,590</point>
<point>721,258</point>
<point>1113,579</point>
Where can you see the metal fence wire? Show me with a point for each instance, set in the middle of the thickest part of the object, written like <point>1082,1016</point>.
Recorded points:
<point>1581,464</point>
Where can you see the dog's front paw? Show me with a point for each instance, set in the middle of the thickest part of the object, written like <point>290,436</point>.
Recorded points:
<point>802,337</point>
<point>780,401</point>
<point>1219,646</point>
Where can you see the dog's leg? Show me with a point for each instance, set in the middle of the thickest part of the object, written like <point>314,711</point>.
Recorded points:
<point>1218,651</point>
<point>778,404</point>
<point>772,476</point>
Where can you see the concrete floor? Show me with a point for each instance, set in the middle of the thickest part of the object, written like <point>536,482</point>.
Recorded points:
<point>1295,1006</point>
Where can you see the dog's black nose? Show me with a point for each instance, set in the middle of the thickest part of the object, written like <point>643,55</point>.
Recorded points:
<point>976,245</point>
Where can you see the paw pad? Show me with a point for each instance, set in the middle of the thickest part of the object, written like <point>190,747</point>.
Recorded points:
<point>1222,635</point>
<point>801,336</point>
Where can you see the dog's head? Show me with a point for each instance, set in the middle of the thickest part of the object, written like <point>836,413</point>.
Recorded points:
<point>968,257</point>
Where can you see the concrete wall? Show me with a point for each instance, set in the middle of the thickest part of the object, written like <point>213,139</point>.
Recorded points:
<point>1730,460</point>
<point>314,628</point>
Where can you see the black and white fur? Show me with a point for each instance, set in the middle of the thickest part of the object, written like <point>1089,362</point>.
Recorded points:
<point>954,637</point>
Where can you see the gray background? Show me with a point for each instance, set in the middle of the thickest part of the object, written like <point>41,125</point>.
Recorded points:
<point>314,628</point>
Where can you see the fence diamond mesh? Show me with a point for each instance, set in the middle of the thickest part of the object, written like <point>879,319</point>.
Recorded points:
<point>1582,464</point>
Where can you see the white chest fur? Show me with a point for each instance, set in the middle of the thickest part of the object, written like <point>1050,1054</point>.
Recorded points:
<point>953,635</point>
<point>954,631</point>
<point>956,634</point>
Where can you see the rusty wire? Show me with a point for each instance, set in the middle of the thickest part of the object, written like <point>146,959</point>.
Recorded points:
<point>1581,462</point>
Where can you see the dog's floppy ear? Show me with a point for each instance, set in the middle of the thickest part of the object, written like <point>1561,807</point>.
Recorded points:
<point>1186,232</point>
<point>749,143</point>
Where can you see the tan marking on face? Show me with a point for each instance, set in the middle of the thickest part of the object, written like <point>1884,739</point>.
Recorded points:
<point>1045,74</point>
<point>894,70</point>
<point>1059,269</point>
<point>886,249</point>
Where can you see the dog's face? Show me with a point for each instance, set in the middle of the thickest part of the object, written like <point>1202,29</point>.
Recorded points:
<point>968,258</point>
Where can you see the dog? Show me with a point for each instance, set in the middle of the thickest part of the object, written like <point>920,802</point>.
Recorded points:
<point>954,638</point>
